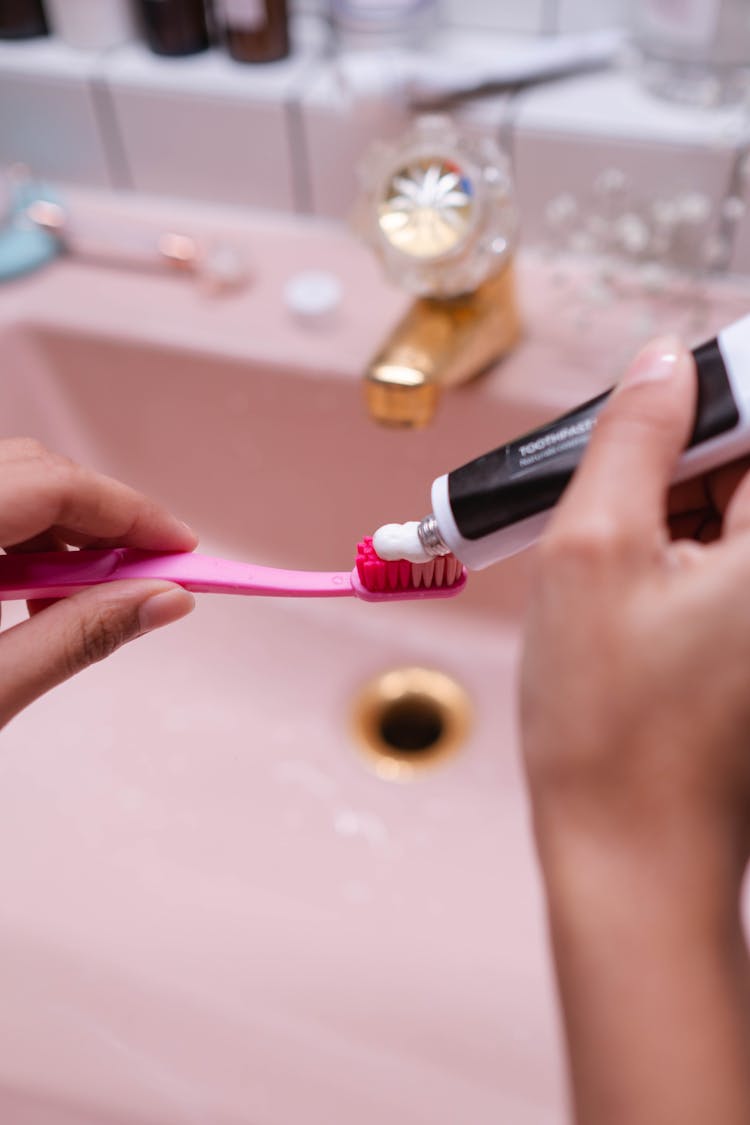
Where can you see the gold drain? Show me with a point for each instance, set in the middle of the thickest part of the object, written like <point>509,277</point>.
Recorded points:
<point>410,718</point>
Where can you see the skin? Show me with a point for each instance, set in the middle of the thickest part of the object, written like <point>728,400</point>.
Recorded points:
<point>49,503</point>
<point>635,705</point>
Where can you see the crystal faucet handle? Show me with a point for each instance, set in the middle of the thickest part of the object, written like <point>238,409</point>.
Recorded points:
<point>437,207</point>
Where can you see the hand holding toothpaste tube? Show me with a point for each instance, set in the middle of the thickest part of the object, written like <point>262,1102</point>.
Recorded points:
<point>636,732</point>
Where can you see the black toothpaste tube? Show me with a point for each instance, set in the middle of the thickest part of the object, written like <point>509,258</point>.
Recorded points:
<point>498,504</point>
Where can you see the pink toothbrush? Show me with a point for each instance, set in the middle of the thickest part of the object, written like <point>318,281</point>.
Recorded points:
<point>59,573</point>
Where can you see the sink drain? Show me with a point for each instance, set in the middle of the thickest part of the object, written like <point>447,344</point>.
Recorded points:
<point>410,718</point>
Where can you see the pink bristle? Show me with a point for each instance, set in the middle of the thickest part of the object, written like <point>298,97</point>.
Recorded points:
<point>381,576</point>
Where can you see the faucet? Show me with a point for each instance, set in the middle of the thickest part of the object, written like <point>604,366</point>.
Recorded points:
<point>437,208</point>
<point>441,342</point>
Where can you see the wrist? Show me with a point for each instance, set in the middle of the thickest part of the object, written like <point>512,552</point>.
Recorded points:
<point>654,982</point>
<point>680,878</point>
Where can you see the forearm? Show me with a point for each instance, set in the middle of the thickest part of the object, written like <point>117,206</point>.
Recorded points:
<point>654,981</point>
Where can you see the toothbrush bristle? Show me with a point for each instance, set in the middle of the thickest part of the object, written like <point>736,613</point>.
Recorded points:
<point>378,576</point>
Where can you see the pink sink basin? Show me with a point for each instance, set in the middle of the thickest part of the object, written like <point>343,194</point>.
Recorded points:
<point>213,909</point>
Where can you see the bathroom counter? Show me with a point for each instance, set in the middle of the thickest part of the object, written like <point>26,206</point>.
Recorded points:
<point>582,320</point>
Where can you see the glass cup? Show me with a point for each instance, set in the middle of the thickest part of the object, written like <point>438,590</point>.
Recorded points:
<point>694,51</point>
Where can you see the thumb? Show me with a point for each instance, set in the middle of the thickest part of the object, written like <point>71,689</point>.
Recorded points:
<point>624,476</point>
<point>77,631</point>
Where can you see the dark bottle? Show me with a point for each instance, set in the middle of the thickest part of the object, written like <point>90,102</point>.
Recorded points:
<point>22,19</point>
<point>174,27</point>
<point>254,30</point>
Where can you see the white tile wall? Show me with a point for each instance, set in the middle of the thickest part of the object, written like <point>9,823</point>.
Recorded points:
<point>547,166</point>
<point>740,258</point>
<point>202,128</point>
<point>565,136</point>
<point>232,151</point>
<point>207,127</point>
<point>338,127</point>
<point>501,15</point>
<point>587,15</point>
<point>48,115</point>
<point>290,135</point>
<point>534,16</point>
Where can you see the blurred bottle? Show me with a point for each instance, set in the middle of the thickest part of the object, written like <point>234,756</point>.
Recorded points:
<point>254,30</point>
<point>694,51</point>
<point>92,25</point>
<point>21,19</point>
<point>370,24</point>
<point>175,27</point>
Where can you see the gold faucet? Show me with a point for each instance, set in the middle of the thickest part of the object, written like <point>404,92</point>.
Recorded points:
<point>438,209</point>
<point>441,342</point>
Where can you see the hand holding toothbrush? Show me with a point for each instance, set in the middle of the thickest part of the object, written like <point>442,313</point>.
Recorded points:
<point>636,731</point>
<point>46,503</point>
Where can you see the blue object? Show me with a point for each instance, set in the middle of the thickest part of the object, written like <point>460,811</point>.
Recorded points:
<point>25,247</point>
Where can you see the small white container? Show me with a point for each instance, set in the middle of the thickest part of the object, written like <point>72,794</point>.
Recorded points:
<point>313,297</point>
<point>372,24</point>
<point>91,25</point>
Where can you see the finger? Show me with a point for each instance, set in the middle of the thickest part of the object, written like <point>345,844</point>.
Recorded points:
<point>737,517</point>
<point>41,490</point>
<point>77,631</point>
<point>622,483</point>
<point>714,489</point>
<point>728,570</point>
<point>686,554</point>
<point>723,483</point>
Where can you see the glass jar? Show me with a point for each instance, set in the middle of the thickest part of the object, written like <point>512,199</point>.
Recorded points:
<point>22,19</point>
<point>91,25</point>
<point>694,51</point>
<point>174,27</point>
<point>254,31</point>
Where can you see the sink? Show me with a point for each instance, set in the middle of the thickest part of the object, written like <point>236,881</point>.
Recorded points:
<point>214,907</point>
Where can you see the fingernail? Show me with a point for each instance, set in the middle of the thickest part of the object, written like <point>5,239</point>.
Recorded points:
<point>164,608</point>
<point>188,529</point>
<point>658,360</point>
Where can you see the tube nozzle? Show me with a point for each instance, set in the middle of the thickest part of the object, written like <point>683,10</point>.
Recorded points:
<point>431,539</point>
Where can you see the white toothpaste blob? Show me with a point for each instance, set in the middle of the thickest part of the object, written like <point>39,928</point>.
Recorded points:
<point>399,541</point>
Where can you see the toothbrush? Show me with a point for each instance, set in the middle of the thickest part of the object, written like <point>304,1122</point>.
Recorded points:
<point>57,574</point>
<point>95,232</point>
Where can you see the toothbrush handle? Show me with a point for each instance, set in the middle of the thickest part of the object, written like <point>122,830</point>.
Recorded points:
<point>57,574</point>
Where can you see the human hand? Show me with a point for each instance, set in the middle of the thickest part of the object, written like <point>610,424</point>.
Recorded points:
<point>636,731</point>
<point>46,503</point>
<point>637,658</point>
<point>697,507</point>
